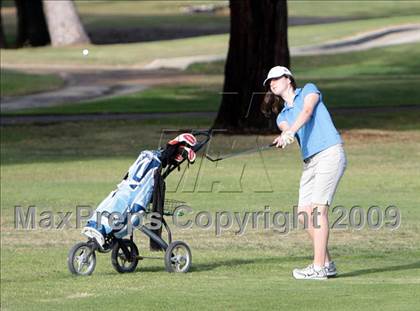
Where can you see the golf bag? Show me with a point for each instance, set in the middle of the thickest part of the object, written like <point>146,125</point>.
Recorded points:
<point>142,183</point>
<point>133,194</point>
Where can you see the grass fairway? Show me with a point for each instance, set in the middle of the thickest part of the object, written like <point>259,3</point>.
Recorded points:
<point>15,83</point>
<point>60,166</point>
<point>378,77</point>
<point>140,54</point>
<point>365,9</point>
<point>394,61</point>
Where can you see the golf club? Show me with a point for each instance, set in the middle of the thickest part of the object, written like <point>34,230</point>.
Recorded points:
<point>231,155</point>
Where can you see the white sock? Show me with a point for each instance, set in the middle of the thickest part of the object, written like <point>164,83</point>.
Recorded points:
<point>328,263</point>
<point>317,268</point>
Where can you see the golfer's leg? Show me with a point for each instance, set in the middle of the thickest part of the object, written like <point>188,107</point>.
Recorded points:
<point>330,166</point>
<point>304,216</point>
<point>306,188</point>
<point>320,232</point>
<point>307,222</point>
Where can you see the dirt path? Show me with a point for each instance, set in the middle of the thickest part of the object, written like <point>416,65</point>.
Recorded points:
<point>89,85</point>
<point>46,119</point>
<point>383,37</point>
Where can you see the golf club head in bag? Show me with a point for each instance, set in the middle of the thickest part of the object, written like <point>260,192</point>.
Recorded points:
<point>178,149</point>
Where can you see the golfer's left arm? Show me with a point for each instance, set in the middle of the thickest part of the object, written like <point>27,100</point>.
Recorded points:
<point>309,104</point>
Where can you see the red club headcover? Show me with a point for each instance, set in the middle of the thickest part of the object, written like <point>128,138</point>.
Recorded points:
<point>185,138</point>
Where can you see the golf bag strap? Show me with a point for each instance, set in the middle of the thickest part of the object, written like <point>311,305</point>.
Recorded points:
<point>157,206</point>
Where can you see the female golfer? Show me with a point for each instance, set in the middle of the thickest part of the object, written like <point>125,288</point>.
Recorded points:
<point>305,118</point>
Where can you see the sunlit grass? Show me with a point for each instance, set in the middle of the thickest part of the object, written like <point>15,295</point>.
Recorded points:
<point>56,167</point>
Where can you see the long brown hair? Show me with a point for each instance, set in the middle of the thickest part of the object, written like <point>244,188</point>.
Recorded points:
<point>273,103</point>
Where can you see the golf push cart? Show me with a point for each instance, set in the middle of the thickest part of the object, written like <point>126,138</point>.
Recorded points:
<point>146,177</point>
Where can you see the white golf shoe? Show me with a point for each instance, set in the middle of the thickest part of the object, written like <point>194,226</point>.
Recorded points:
<point>331,269</point>
<point>310,273</point>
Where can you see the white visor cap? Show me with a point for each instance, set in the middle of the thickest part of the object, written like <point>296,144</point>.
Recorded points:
<point>277,72</point>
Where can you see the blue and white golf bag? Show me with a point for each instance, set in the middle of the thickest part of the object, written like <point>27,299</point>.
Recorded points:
<point>133,195</point>
<point>135,191</point>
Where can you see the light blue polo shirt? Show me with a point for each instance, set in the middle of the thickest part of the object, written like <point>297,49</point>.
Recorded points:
<point>319,133</point>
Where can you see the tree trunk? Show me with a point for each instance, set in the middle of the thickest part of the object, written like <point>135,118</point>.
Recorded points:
<point>258,41</point>
<point>32,28</point>
<point>3,43</point>
<point>64,23</point>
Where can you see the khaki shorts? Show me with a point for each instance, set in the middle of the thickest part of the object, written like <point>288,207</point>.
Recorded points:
<point>320,177</point>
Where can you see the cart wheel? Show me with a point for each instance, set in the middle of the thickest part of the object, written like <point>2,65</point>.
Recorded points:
<point>119,260</point>
<point>81,259</point>
<point>178,257</point>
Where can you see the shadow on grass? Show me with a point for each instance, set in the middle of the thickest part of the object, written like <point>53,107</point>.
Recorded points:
<point>199,267</point>
<point>236,262</point>
<point>226,263</point>
<point>140,269</point>
<point>415,265</point>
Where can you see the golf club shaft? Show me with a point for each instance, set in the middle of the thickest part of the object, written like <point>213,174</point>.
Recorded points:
<point>231,155</point>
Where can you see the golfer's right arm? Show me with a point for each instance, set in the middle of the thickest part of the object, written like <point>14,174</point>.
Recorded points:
<point>283,126</point>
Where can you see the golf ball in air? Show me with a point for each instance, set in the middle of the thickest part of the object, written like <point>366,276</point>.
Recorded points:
<point>85,52</point>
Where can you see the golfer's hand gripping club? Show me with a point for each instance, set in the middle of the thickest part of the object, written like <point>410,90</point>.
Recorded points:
<point>286,138</point>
